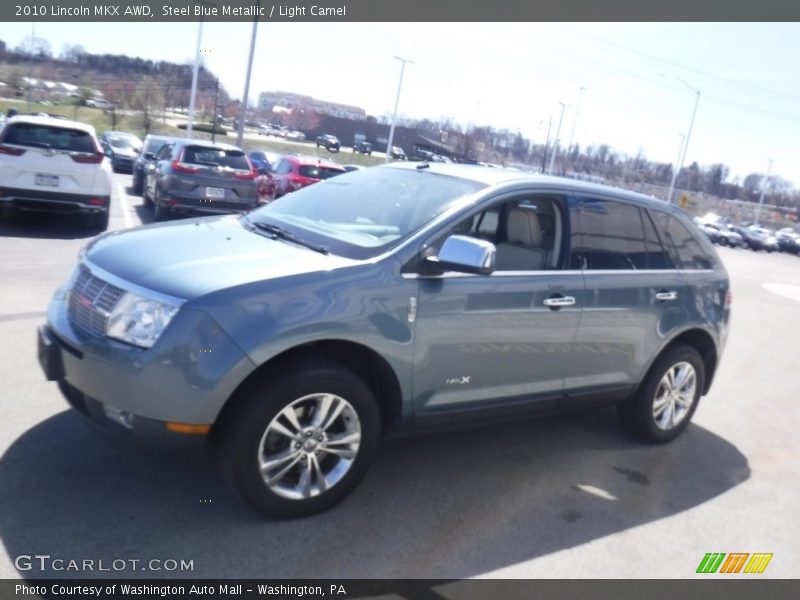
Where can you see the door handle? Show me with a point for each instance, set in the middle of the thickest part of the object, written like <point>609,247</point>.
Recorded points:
<point>665,296</point>
<point>559,301</point>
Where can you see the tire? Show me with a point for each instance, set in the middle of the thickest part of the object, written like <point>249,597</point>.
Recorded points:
<point>137,186</point>
<point>148,201</point>
<point>159,212</point>
<point>99,221</point>
<point>255,432</point>
<point>638,413</point>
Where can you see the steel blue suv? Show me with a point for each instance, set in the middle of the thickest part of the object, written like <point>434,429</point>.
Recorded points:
<point>290,340</point>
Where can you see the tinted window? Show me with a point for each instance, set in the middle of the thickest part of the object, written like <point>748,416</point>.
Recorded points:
<point>121,142</point>
<point>154,145</point>
<point>318,172</point>
<point>43,136</point>
<point>657,256</point>
<point>611,236</point>
<point>214,157</point>
<point>165,151</point>
<point>686,250</point>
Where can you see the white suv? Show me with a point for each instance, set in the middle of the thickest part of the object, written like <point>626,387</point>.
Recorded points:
<point>54,165</point>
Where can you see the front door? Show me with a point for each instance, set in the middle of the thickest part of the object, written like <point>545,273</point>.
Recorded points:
<point>505,338</point>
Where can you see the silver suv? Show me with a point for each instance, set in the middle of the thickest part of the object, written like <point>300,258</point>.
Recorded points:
<point>290,340</point>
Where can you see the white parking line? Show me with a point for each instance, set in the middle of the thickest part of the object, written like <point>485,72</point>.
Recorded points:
<point>123,198</point>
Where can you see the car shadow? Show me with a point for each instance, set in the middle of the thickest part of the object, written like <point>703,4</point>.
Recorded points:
<point>145,214</point>
<point>451,505</point>
<point>47,226</point>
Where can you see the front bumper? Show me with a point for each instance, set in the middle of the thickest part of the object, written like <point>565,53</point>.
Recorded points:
<point>133,393</point>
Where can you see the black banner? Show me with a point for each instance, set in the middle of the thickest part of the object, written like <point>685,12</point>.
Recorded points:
<point>393,10</point>
<point>468,589</point>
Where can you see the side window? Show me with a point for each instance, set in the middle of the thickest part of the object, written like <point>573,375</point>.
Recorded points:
<point>165,151</point>
<point>528,232</point>
<point>686,250</point>
<point>657,255</point>
<point>284,167</point>
<point>611,236</point>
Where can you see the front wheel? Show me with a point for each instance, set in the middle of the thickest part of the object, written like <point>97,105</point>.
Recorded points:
<point>299,444</point>
<point>666,399</point>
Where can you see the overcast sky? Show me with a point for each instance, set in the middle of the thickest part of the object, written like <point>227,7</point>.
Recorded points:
<point>513,75</point>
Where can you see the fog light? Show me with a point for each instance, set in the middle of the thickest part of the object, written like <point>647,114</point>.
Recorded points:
<point>121,417</point>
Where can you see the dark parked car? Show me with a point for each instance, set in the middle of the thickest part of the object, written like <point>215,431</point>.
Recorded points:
<point>751,239</point>
<point>727,236</point>
<point>290,340</point>
<point>788,240</point>
<point>293,172</point>
<point>197,177</point>
<point>150,147</point>
<point>398,153</point>
<point>363,148</point>
<point>329,142</point>
<point>262,160</point>
<point>122,151</point>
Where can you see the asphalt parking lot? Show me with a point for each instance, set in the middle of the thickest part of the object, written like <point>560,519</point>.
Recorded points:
<point>562,497</point>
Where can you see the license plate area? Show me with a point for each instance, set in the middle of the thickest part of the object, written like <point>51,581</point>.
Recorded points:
<point>215,193</point>
<point>46,180</point>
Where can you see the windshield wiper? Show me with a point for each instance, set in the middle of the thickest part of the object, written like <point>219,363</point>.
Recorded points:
<point>280,232</point>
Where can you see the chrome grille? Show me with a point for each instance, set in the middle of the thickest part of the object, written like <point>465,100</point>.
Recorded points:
<point>91,300</point>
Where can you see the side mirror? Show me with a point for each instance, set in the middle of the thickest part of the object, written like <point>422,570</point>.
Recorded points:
<point>466,255</point>
<point>149,155</point>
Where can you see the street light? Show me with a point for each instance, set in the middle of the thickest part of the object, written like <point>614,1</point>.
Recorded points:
<point>403,62</point>
<point>193,94</point>
<point>243,114</point>
<point>763,188</point>
<point>688,135</point>
<point>575,119</point>
<point>555,141</point>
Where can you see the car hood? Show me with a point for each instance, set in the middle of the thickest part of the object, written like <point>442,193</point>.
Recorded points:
<point>196,256</point>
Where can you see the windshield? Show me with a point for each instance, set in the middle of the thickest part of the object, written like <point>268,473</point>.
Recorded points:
<point>215,157</point>
<point>121,142</point>
<point>44,136</point>
<point>361,213</point>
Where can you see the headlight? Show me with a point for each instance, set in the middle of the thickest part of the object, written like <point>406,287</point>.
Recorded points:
<point>139,321</point>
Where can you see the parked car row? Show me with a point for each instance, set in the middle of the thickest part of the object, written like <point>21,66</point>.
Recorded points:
<point>748,236</point>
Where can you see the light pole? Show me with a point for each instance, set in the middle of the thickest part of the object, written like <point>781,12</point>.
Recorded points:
<point>675,164</point>
<point>243,114</point>
<point>763,188</point>
<point>688,135</point>
<point>194,79</point>
<point>403,62</point>
<point>575,119</point>
<point>555,141</point>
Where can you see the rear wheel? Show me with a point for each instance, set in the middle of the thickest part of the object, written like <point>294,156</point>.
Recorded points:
<point>159,212</point>
<point>299,444</point>
<point>666,400</point>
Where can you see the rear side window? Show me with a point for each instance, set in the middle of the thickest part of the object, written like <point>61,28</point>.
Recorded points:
<point>687,252</point>
<point>154,145</point>
<point>44,136</point>
<point>215,157</point>
<point>610,236</point>
<point>318,172</point>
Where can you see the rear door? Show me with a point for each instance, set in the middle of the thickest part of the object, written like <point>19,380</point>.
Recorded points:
<point>49,158</point>
<point>634,295</point>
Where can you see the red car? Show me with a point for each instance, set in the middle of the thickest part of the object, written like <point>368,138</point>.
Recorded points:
<point>291,173</point>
